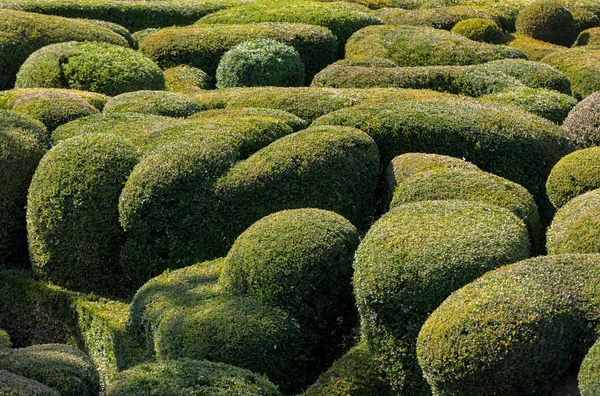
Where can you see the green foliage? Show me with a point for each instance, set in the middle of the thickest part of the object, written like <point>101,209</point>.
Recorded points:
<point>535,50</point>
<point>12,120</point>
<point>573,175</point>
<point>16,385</point>
<point>480,29</point>
<point>581,65</point>
<point>115,27</point>
<point>551,105</point>
<point>161,103</point>
<point>261,62</point>
<point>295,122</point>
<point>515,330</point>
<point>341,19</point>
<point>186,78</point>
<point>20,153</point>
<point>63,368</point>
<point>356,373</point>
<point>423,46</point>
<point>439,18</point>
<point>576,226</point>
<point>74,193</point>
<point>202,46</point>
<point>5,342</point>
<point>412,258</point>
<point>184,376</point>
<point>548,20</point>
<point>582,125</point>
<point>90,66</point>
<point>23,33</point>
<point>588,379</point>
<point>589,37</point>
<point>9,98</point>
<point>585,19</point>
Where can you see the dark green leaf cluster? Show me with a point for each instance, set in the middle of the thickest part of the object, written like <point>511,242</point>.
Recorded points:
<point>573,175</point>
<point>5,342</point>
<point>162,103</point>
<point>439,18</point>
<point>548,20</point>
<point>588,380</point>
<point>10,120</point>
<point>581,65</point>
<point>186,78</point>
<point>589,37</point>
<point>295,122</point>
<point>17,385</point>
<point>480,29</point>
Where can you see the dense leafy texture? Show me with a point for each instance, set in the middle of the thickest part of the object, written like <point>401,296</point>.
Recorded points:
<point>17,385</point>
<point>581,65</point>
<point>573,175</point>
<point>186,78</point>
<point>480,29</point>
<point>535,50</point>
<point>161,103</point>
<point>589,37</point>
<point>582,125</point>
<point>548,20</point>
<point>439,18</point>
<point>295,122</point>
<point>588,378</point>
<point>12,120</point>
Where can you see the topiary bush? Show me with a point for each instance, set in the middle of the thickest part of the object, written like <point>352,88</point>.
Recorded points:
<point>23,33</point>
<point>89,66</point>
<point>480,29</point>
<point>74,194</point>
<point>9,98</point>
<point>587,378</point>
<point>589,37</point>
<point>260,62</point>
<point>161,103</point>
<point>202,46</point>
<point>63,368</point>
<point>575,228</point>
<point>5,342</point>
<point>16,385</point>
<point>531,74</point>
<point>181,376</point>
<point>585,19</point>
<point>185,78</point>
<point>295,122</point>
<point>582,125</point>
<point>116,28</point>
<point>581,66</point>
<point>573,175</point>
<point>20,153</point>
<point>439,17</point>
<point>548,20</point>
<point>12,120</point>
<point>423,46</point>
<point>515,330</point>
<point>535,50</point>
<point>412,258</point>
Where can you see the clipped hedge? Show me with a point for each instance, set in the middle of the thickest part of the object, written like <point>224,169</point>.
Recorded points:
<point>576,228</point>
<point>480,29</point>
<point>548,20</point>
<point>515,330</point>
<point>423,46</point>
<point>176,377</point>
<point>295,122</point>
<point>581,65</point>
<point>23,33</point>
<point>12,120</point>
<point>5,342</point>
<point>587,378</point>
<point>340,18</point>
<point>17,385</point>
<point>20,153</point>
<point>582,125</point>
<point>438,18</point>
<point>535,50</point>
<point>90,66</point>
<point>9,98</point>
<point>63,368</point>
<point>573,175</point>
<point>161,103</point>
<point>412,258</point>
<point>74,195</point>
<point>589,37</point>
<point>184,78</point>
<point>202,46</point>
<point>260,62</point>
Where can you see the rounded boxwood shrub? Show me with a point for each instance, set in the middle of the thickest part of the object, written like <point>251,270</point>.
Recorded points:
<point>5,342</point>
<point>480,29</point>
<point>17,385</point>
<point>20,153</point>
<point>10,119</point>
<point>63,368</point>
<point>573,175</point>
<point>202,46</point>
<point>184,78</point>
<point>295,122</point>
<point>582,125</point>
<point>161,103</point>
<point>115,27</point>
<point>589,37</point>
<point>412,258</point>
<point>439,18</point>
<point>90,66</point>
<point>9,98</point>
<point>515,330</point>
<point>299,261</point>
<point>551,105</point>
<point>585,19</point>
<point>548,20</point>
<point>581,65</point>
<point>177,377</point>
<point>260,62</point>
<point>588,380</point>
<point>24,32</point>
<point>342,19</point>
<point>423,46</point>
<point>576,226</point>
<point>535,50</point>
<point>72,217</point>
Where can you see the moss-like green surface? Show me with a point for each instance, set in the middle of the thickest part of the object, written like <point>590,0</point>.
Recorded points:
<point>573,175</point>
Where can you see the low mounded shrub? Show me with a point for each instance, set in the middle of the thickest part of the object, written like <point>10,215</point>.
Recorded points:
<point>23,33</point>
<point>161,103</point>
<point>535,50</point>
<point>295,122</point>
<point>17,385</point>
<point>589,37</point>
<point>12,120</point>
<point>423,46</point>
<point>116,28</point>
<point>412,258</point>
<point>186,78</point>
<point>342,19</point>
<point>90,66</point>
<point>585,19</point>
<point>581,65</point>
<point>176,377</point>
<point>480,29</point>
<point>573,175</point>
<point>74,194</point>
<point>63,368</point>
<point>261,62</point>
<point>202,46</point>
<point>5,342</point>
<point>516,330</point>
<point>588,381</point>
<point>582,125</point>
<point>576,226</point>
<point>548,20</point>
<point>9,98</point>
<point>531,74</point>
<point>439,18</point>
